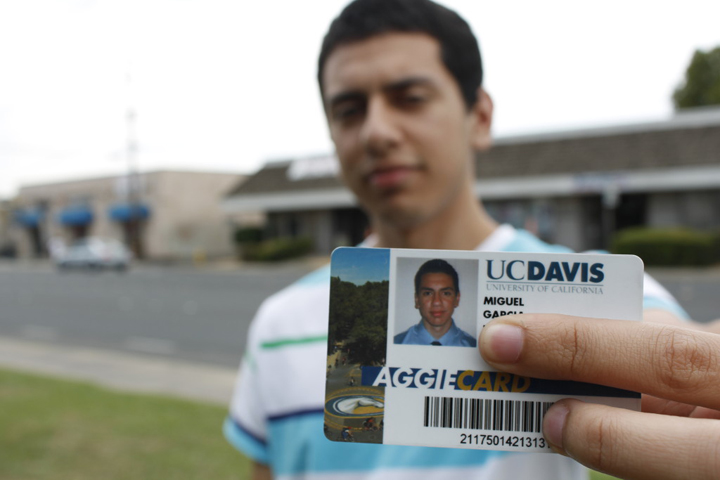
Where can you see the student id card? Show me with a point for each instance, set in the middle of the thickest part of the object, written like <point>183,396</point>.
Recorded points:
<point>403,366</point>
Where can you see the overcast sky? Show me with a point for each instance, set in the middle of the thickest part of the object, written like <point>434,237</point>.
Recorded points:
<point>226,85</point>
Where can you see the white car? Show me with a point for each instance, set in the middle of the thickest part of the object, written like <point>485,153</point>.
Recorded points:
<point>95,254</point>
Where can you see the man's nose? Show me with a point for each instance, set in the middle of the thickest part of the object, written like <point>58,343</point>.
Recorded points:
<point>380,132</point>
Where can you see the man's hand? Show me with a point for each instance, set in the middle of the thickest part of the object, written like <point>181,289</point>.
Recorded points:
<point>676,368</point>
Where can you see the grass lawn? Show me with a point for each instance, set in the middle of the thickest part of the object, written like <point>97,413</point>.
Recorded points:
<point>57,429</point>
<point>600,476</point>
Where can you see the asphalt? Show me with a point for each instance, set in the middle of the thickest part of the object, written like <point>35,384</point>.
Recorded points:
<point>132,372</point>
<point>135,372</point>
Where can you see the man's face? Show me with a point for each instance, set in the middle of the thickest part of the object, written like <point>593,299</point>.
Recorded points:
<point>402,132</point>
<point>437,299</point>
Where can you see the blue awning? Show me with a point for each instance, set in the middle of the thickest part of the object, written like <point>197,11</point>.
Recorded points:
<point>75,216</point>
<point>29,217</point>
<point>124,212</point>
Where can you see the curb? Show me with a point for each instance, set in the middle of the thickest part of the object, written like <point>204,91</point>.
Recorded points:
<point>120,371</point>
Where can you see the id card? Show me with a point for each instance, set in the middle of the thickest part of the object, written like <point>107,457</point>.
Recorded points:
<point>403,366</point>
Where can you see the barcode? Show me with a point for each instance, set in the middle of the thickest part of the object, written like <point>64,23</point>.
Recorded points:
<point>479,414</point>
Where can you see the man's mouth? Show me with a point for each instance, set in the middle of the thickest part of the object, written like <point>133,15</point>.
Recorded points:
<point>389,178</point>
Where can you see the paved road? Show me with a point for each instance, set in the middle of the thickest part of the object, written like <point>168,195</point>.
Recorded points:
<point>189,314</point>
<point>177,331</point>
<point>169,311</point>
<point>697,290</point>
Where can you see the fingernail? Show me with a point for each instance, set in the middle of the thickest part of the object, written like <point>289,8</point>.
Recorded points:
<point>502,342</point>
<point>553,425</point>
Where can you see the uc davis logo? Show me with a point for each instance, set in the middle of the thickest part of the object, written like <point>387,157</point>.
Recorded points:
<point>520,270</point>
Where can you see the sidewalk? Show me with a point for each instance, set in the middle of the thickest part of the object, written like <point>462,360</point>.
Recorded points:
<point>121,371</point>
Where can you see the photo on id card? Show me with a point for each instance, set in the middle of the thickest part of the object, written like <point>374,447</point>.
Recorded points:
<point>403,366</point>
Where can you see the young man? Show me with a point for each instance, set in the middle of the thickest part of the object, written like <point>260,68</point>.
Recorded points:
<point>437,295</point>
<point>401,83</point>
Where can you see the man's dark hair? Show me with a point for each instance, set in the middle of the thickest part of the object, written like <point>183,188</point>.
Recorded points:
<point>363,19</point>
<point>436,265</point>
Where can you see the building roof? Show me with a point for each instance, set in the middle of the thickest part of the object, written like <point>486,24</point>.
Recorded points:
<point>100,179</point>
<point>275,177</point>
<point>641,150</point>
<point>689,139</point>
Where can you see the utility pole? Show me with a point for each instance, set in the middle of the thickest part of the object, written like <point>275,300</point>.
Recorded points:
<point>610,201</point>
<point>133,181</point>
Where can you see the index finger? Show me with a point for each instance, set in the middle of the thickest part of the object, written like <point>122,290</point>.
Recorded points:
<point>666,361</point>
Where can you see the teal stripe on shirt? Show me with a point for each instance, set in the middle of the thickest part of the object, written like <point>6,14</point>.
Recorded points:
<point>662,304</point>
<point>245,442</point>
<point>294,341</point>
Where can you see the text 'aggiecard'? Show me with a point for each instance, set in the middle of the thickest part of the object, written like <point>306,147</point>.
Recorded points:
<point>403,366</point>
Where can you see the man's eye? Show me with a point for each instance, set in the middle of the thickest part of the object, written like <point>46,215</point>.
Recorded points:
<point>346,112</point>
<point>410,99</point>
<point>413,99</point>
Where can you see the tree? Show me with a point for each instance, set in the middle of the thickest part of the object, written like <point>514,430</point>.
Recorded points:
<point>358,317</point>
<point>702,81</point>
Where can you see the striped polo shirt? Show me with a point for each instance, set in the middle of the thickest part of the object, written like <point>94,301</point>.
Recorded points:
<point>277,410</point>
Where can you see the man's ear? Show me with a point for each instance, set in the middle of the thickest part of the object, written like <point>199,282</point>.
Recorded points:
<point>457,300</point>
<point>417,302</point>
<point>482,114</point>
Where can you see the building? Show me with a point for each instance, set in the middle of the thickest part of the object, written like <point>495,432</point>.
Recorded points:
<point>301,198</point>
<point>162,215</point>
<point>575,188</point>
<point>7,248</point>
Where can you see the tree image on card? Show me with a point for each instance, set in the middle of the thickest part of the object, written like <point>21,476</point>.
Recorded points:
<point>358,320</point>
